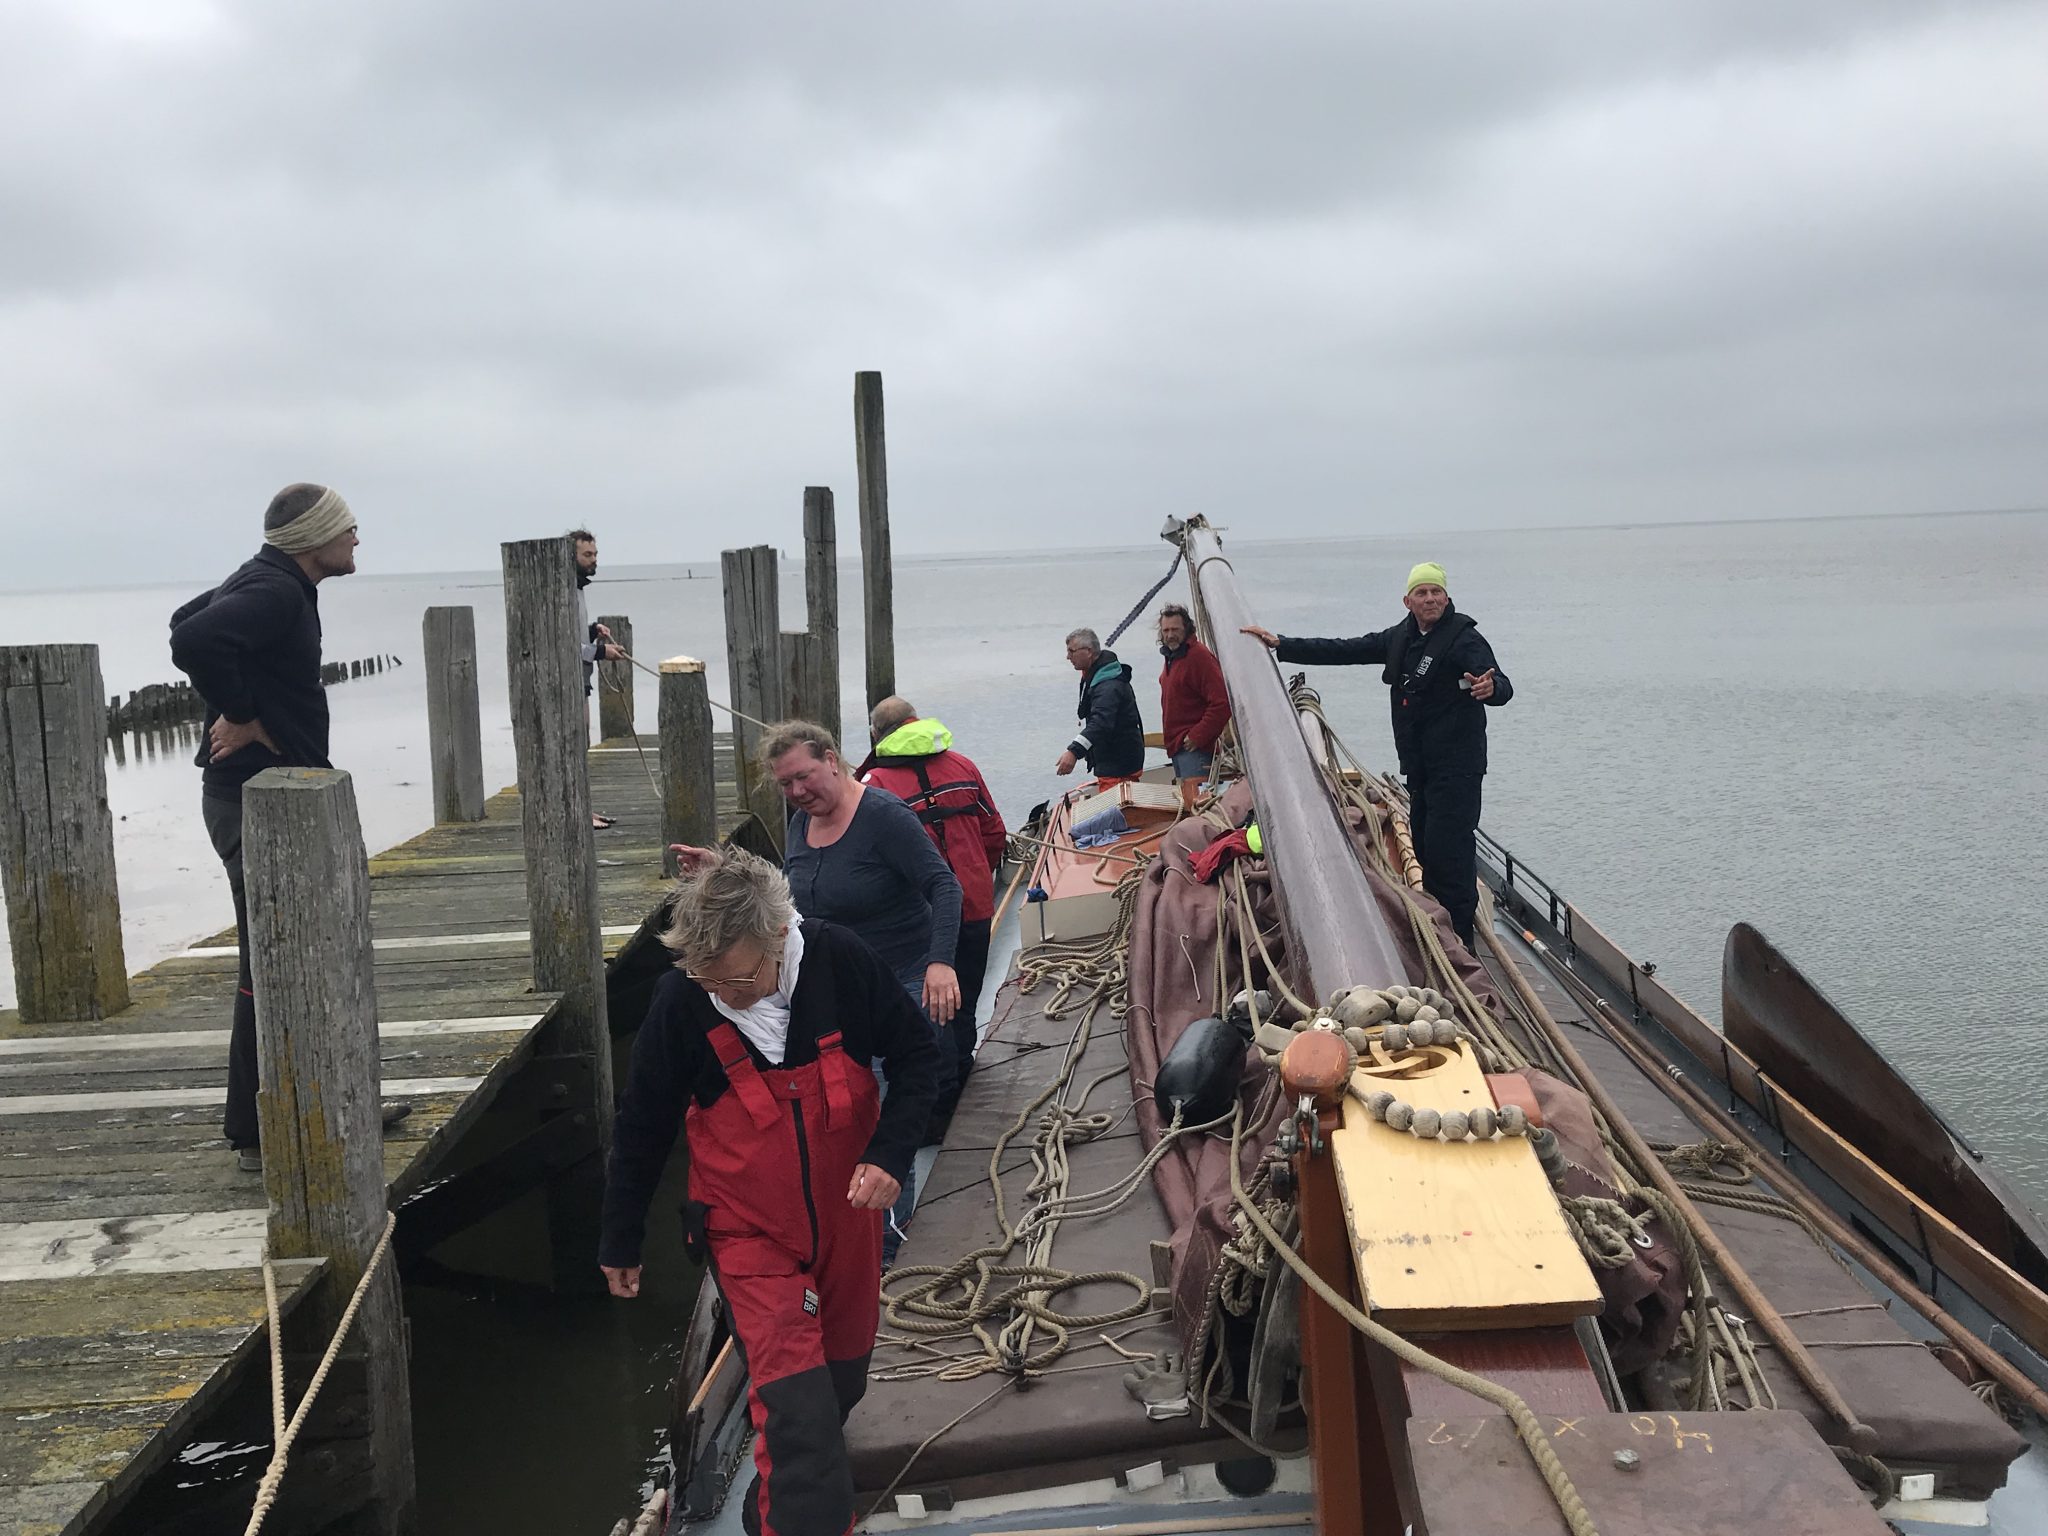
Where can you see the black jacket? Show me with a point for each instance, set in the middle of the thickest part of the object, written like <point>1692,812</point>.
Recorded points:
<point>1438,727</point>
<point>1112,735</point>
<point>252,648</point>
<point>842,985</point>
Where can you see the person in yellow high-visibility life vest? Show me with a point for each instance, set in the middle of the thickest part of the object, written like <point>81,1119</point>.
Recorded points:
<point>1442,678</point>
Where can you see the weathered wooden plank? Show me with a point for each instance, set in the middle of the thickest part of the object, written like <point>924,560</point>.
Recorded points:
<point>543,647</point>
<point>171,1098</point>
<point>454,716</point>
<point>316,1018</point>
<point>615,683</point>
<point>422,941</point>
<point>871,457</point>
<point>56,1249</point>
<point>57,841</point>
<point>193,1039</point>
<point>47,1509</point>
<point>1450,1236</point>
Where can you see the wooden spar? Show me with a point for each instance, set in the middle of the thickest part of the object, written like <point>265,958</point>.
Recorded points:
<point>454,720</point>
<point>1336,938</point>
<point>57,837</point>
<point>322,1137</point>
<point>1334,929</point>
<point>872,461</point>
<point>615,683</point>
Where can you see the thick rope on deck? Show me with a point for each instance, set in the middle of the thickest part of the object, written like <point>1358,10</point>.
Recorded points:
<point>285,1434</point>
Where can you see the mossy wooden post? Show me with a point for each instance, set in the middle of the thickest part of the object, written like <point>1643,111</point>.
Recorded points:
<point>454,719</point>
<point>57,835</point>
<point>689,780</point>
<point>544,660</point>
<point>872,460</point>
<point>317,1104</point>
<point>753,650</point>
<point>615,682</point>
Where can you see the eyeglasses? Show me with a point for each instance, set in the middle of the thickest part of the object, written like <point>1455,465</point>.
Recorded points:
<point>728,982</point>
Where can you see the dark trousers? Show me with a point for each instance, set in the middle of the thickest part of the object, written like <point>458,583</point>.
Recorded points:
<point>224,827</point>
<point>1443,811</point>
<point>970,964</point>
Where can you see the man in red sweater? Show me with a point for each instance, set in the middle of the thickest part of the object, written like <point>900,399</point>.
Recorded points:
<point>1194,705</point>
<point>914,760</point>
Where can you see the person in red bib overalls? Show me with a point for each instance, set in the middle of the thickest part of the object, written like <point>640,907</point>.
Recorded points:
<point>759,1050</point>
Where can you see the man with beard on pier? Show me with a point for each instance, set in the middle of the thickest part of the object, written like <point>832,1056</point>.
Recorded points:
<point>252,649</point>
<point>1442,679</point>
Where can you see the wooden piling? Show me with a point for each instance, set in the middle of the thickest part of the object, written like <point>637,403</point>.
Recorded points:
<point>615,683</point>
<point>544,657</point>
<point>57,837</point>
<point>318,1104</point>
<point>689,783</point>
<point>872,458</point>
<point>753,649</point>
<point>821,598</point>
<point>454,716</point>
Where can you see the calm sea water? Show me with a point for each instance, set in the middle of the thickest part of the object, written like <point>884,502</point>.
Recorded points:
<point>1836,730</point>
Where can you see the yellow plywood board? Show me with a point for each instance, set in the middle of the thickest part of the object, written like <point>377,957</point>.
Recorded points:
<point>1452,1237</point>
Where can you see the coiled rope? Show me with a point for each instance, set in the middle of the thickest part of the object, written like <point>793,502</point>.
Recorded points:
<point>285,1433</point>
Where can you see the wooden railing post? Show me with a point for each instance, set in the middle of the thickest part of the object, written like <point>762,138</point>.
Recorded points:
<point>753,649</point>
<point>689,781</point>
<point>318,1104</point>
<point>543,653</point>
<point>454,720</point>
<point>615,683</point>
<point>57,835</point>
<point>872,458</point>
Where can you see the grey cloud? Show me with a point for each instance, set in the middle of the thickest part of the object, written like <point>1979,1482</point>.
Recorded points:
<point>1325,267</point>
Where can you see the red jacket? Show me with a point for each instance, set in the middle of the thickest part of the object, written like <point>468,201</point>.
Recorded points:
<point>917,765</point>
<point>1193,703</point>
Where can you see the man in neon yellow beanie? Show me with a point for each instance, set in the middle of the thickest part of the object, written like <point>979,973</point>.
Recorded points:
<point>1442,678</point>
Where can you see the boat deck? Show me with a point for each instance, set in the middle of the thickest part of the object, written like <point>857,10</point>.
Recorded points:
<point>1078,1422</point>
<point>130,1244</point>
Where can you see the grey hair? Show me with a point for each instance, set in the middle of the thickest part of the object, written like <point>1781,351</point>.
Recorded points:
<point>788,735</point>
<point>1087,637</point>
<point>890,713</point>
<point>739,896</point>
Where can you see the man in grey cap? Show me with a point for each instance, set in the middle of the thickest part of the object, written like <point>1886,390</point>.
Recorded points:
<point>252,649</point>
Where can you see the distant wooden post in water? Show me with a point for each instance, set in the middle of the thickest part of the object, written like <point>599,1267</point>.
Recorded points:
<point>318,1104</point>
<point>753,649</point>
<point>544,659</point>
<point>57,835</point>
<point>454,719</point>
<point>810,657</point>
<point>689,782</point>
<point>615,682</point>
<point>872,459</point>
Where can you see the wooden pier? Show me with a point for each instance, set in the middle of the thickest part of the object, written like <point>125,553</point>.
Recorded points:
<point>475,973</point>
<point>130,1245</point>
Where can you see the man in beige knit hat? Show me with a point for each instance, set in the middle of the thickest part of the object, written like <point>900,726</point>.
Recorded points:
<point>252,649</point>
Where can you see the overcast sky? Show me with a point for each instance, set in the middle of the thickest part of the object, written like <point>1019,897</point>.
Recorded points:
<point>492,267</point>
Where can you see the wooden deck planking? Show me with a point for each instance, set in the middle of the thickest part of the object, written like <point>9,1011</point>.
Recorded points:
<point>130,1244</point>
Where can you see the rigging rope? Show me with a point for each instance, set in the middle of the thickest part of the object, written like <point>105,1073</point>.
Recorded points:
<point>1131,617</point>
